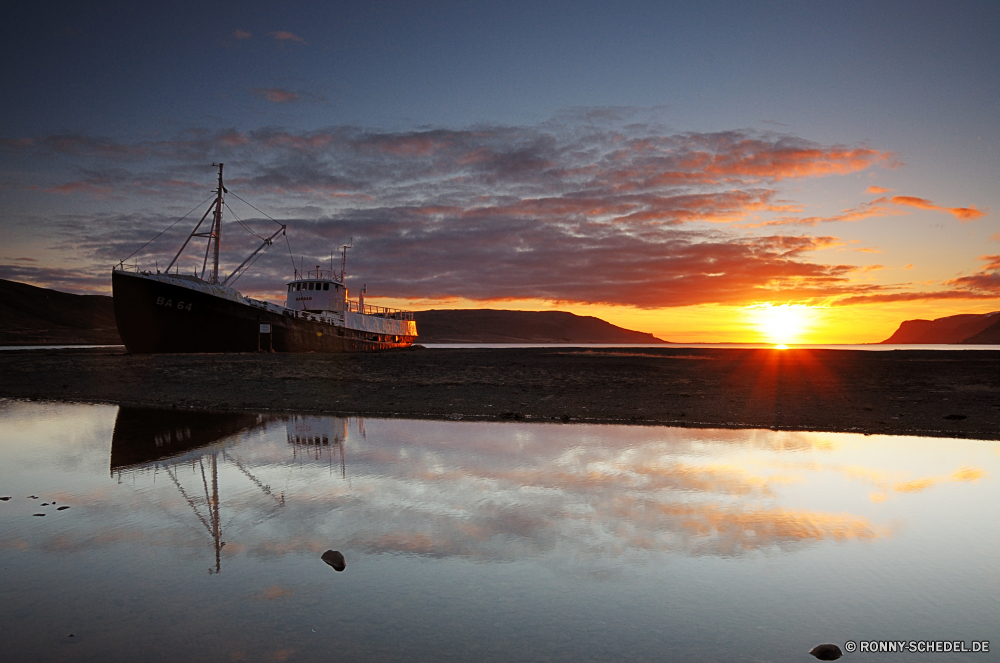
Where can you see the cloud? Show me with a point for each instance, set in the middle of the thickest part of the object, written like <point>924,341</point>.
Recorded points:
<point>985,281</point>
<point>241,34</point>
<point>595,210</point>
<point>276,95</point>
<point>83,281</point>
<point>877,190</point>
<point>885,206</point>
<point>961,213</point>
<point>283,36</point>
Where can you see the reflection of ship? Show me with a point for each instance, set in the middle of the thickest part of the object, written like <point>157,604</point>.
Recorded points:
<point>163,312</point>
<point>315,434</point>
<point>144,436</point>
<point>169,440</point>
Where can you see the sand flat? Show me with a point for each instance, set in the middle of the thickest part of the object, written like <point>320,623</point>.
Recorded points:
<point>914,392</point>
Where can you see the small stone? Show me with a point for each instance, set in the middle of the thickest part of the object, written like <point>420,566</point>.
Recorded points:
<point>335,559</point>
<point>32,497</point>
<point>4,499</point>
<point>826,652</point>
<point>62,508</point>
<point>39,514</point>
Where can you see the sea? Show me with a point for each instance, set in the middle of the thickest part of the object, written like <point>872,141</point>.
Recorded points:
<point>176,535</point>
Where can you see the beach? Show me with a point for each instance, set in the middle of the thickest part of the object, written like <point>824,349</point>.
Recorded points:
<point>901,392</point>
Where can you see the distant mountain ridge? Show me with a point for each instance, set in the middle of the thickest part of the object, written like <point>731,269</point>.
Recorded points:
<point>967,328</point>
<point>30,315</point>
<point>500,326</point>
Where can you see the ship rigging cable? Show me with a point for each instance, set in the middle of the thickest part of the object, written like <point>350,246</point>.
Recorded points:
<point>168,228</point>
<point>232,193</point>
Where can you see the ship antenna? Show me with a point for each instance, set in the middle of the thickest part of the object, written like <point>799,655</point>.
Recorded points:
<point>343,264</point>
<point>218,226</point>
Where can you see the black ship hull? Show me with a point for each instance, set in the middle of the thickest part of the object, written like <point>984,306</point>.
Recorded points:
<point>158,317</point>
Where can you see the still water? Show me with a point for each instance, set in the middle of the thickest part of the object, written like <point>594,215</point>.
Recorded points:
<point>198,537</point>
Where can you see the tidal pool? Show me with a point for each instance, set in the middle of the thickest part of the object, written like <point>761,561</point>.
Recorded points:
<point>201,537</point>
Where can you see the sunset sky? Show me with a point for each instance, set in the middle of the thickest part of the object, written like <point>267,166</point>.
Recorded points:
<point>749,172</point>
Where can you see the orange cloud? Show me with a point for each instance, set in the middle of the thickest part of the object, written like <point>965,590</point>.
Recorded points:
<point>961,213</point>
<point>282,35</point>
<point>875,208</point>
<point>987,280</point>
<point>276,95</point>
<point>877,190</point>
<point>81,187</point>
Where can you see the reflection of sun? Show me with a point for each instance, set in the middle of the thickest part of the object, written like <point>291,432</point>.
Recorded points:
<point>780,324</point>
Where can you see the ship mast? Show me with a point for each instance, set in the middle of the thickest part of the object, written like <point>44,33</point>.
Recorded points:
<point>217,231</point>
<point>215,237</point>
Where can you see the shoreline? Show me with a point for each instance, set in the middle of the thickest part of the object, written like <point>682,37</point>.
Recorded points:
<point>897,392</point>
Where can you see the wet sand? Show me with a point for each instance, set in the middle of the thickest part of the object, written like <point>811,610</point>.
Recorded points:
<point>911,392</point>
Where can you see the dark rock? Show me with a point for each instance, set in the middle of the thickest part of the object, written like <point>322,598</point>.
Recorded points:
<point>39,514</point>
<point>826,652</point>
<point>32,497</point>
<point>335,559</point>
<point>62,508</point>
<point>4,499</point>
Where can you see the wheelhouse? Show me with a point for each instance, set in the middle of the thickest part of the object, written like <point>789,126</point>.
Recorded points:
<point>317,291</point>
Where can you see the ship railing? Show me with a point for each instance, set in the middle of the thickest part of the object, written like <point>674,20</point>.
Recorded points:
<point>378,311</point>
<point>122,267</point>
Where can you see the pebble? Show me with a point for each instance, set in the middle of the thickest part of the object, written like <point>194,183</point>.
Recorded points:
<point>4,499</point>
<point>826,652</point>
<point>39,514</point>
<point>62,508</point>
<point>335,559</point>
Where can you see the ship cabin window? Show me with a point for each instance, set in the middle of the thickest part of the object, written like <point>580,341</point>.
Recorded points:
<point>310,286</point>
<point>298,286</point>
<point>326,286</point>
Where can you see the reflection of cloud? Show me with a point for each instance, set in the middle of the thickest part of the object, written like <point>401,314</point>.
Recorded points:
<point>919,485</point>
<point>274,593</point>
<point>488,492</point>
<point>241,34</point>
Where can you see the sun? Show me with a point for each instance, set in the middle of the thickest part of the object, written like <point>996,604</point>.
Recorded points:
<point>780,325</point>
